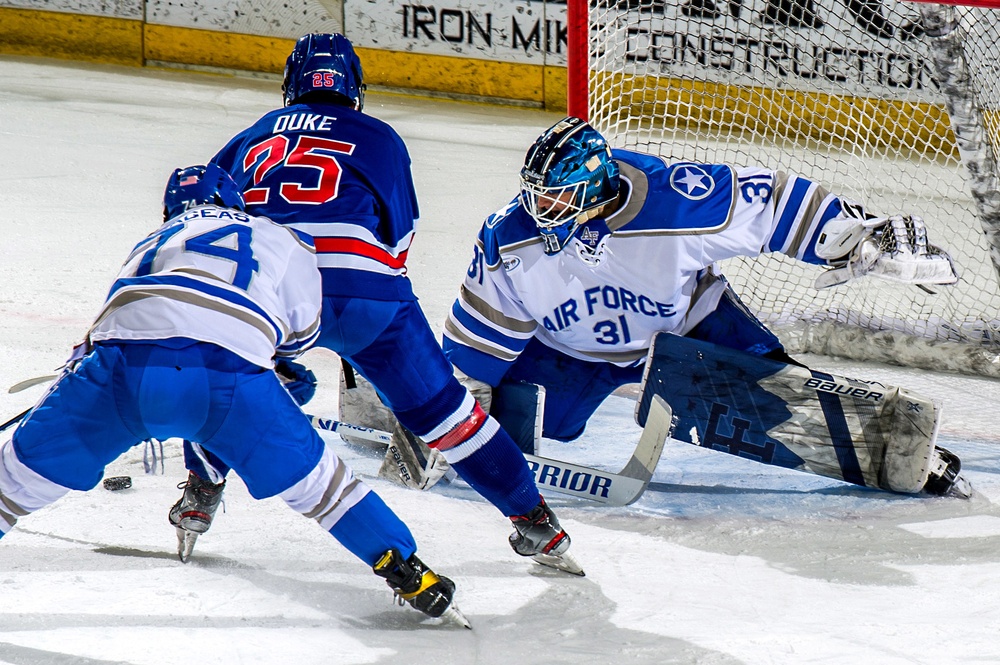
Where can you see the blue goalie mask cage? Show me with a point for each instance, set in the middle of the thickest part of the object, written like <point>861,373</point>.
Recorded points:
<point>567,172</point>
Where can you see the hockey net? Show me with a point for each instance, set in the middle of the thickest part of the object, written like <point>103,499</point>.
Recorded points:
<point>864,96</point>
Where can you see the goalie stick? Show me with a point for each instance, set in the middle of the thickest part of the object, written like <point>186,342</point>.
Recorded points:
<point>611,489</point>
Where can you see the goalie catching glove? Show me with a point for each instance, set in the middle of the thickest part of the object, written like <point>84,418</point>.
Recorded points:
<point>894,248</point>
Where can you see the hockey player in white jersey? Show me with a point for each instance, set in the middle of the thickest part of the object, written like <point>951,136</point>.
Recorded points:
<point>604,249</point>
<point>185,347</point>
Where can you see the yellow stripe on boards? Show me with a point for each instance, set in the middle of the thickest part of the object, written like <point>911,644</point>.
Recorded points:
<point>71,36</point>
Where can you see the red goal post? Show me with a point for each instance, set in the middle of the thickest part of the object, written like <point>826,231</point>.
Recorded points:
<point>895,104</point>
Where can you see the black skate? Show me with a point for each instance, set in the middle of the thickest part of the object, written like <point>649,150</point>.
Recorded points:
<point>537,534</point>
<point>418,585</point>
<point>945,477</point>
<point>193,512</point>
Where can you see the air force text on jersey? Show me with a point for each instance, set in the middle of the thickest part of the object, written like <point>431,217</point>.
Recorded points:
<point>605,298</point>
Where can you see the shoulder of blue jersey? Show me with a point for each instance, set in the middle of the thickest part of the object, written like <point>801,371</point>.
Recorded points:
<point>675,197</point>
<point>344,124</point>
<point>506,228</point>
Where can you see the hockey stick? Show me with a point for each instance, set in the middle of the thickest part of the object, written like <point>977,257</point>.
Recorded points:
<point>30,383</point>
<point>612,489</point>
<point>15,420</point>
<point>366,433</point>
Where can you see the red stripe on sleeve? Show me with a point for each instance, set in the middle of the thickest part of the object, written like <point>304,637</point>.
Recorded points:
<point>360,248</point>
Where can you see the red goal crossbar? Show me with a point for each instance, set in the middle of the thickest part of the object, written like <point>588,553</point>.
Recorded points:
<point>578,37</point>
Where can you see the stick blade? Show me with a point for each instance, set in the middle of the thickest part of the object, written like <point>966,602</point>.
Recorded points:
<point>30,383</point>
<point>611,489</point>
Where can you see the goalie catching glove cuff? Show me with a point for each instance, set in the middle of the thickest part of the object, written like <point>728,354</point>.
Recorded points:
<point>893,248</point>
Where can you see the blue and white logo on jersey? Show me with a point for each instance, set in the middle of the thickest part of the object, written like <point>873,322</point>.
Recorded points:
<point>510,262</point>
<point>590,237</point>
<point>501,214</point>
<point>691,181</point>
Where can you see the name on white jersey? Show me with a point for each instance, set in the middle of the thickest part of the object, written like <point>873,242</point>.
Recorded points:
<point>216,213</point>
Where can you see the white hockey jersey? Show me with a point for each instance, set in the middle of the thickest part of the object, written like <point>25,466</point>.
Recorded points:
<point>640,271</point>
<point>221,276</point>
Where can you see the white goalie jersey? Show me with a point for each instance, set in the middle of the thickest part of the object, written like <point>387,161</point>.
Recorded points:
<point>640,271</point>
<point>217,275</point>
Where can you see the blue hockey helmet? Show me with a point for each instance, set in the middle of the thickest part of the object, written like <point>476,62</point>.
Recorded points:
<point>200,185</point>
<point>325,64</point>
<point>567,173</point>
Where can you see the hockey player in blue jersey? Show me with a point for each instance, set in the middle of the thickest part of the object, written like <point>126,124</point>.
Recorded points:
<point>604,249</point>
<point>184,347</point>
<point>325,168</point>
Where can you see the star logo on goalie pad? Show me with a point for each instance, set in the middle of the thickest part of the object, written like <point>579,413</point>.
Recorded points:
<point>692,182</point>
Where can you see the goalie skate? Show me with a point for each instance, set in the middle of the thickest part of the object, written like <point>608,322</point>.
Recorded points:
<point>945,478</point>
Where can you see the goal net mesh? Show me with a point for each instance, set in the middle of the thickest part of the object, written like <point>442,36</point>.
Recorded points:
<point>846,93</point>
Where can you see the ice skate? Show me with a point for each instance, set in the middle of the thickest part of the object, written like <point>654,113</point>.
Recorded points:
<point>945,478</point>
<point>537,534</point>
<point>193,512</point>
<point>418,585</point>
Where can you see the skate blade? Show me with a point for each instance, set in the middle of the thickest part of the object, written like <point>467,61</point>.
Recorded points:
<point>962,488</point>
<point>455,615</point>
<point>565,562</point>
<point>185,544</point>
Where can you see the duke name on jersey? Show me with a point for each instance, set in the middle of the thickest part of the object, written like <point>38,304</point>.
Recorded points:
<point>218,275</point>
<point>644,269</point>
<point>344,179</point>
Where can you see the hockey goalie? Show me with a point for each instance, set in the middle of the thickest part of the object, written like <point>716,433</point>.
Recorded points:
<point>602,251</point>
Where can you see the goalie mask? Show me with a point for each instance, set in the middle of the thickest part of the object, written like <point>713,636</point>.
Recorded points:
<point>568,173</point>
<point>324,65</point>
<point>200,185</point>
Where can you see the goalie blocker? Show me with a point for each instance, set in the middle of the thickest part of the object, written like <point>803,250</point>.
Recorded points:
<point>864,433</point>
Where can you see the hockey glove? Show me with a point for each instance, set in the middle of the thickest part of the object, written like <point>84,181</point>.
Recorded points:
<point>893,248</point>
<point>299,381</point>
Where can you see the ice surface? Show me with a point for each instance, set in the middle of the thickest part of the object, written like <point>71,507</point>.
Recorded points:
<point>722,561</point>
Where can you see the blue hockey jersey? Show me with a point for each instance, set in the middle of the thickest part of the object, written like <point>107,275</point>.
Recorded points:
<point>340,176</point>
<point>623,278</point>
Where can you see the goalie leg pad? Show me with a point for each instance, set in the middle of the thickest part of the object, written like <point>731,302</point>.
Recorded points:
<point>913,422</point>
<point>861,432</point>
